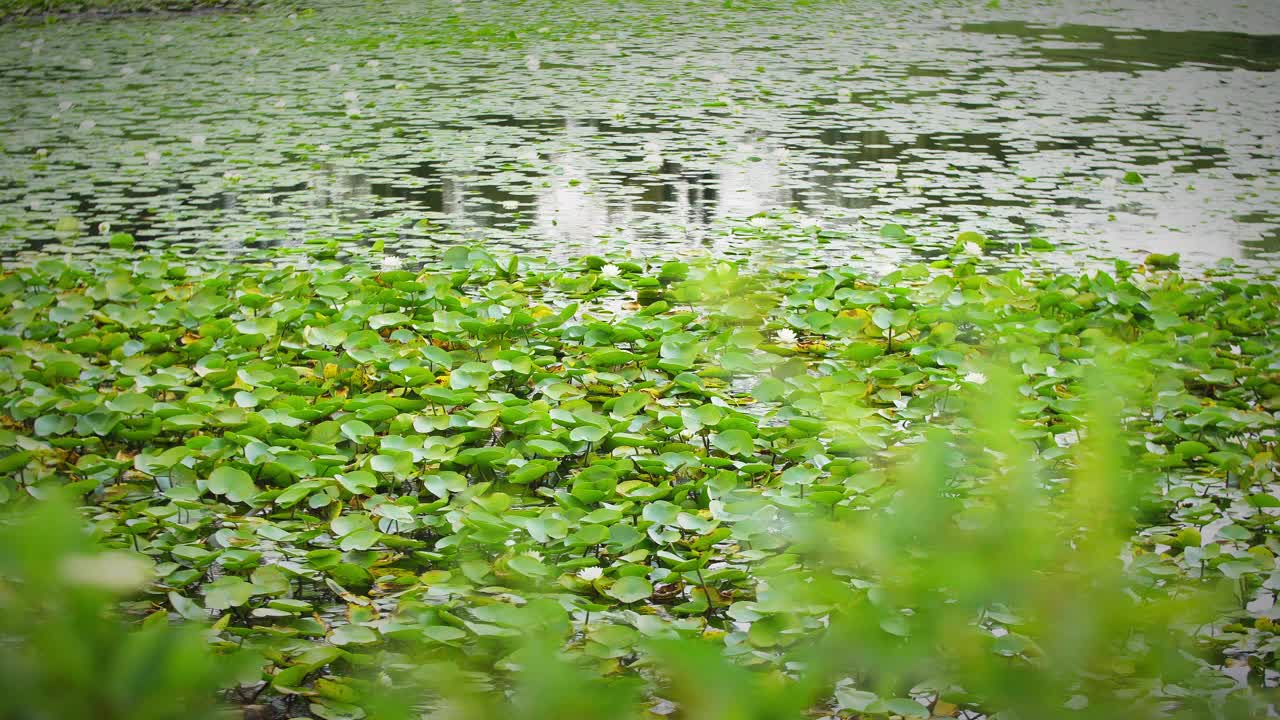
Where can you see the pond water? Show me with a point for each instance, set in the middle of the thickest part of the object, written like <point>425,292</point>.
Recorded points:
<point>1109,129</point>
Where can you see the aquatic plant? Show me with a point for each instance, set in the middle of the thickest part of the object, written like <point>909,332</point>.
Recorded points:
<point>351,473</point>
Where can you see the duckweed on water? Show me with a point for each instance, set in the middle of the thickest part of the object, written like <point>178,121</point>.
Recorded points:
<point>723,493</point>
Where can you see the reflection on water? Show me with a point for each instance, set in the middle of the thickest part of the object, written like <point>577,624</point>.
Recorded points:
<point>647,137</point>
<point>1100,49</point>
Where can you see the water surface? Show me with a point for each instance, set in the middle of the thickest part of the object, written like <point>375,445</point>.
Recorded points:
<point>555,127</point>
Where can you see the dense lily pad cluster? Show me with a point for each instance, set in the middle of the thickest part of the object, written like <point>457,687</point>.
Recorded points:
<point>345,466</point>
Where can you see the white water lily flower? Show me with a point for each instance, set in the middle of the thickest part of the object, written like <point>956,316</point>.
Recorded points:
<point>976,378</point>
<point>104,228</point>
<point>198,141</point>
<point>391,262</point>
<point>610,270</point>
<point>972,248</point>
<point>351,95</point>
<point>590,573</point>
<point>787,336</point>
<point>88,125</point>
<point>532,62</point>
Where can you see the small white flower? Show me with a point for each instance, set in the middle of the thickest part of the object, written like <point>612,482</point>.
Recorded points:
<point>532,62</point>
<point>787,336</point>
<point>323,147</point>
<point>976,378</point>
<point>351,95</point>
<point>42,152</point>
<point>590,573</point>
<point>88,125</point>
<point>391,262</point>
<point>126,70</point>
<point>104,228</point>
<point>760,221</point>
<point>373,63</point>
<point>198,141</point>
<point>972,248</point>
<point>336,67</point>
<point>152,156</point>
<point>610,270</point>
